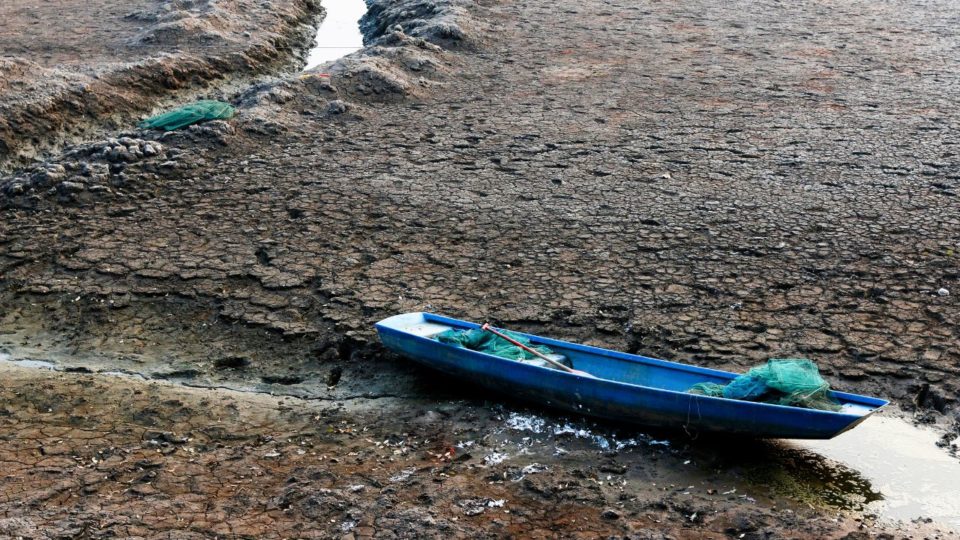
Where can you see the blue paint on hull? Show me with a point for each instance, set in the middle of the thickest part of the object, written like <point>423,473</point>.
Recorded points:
<point>628,388</point>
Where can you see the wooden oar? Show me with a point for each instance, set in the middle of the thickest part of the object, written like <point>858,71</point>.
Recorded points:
<point>558,365</point>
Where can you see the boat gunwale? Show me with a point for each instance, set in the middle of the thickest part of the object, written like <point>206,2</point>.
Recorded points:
<point>875,404</point>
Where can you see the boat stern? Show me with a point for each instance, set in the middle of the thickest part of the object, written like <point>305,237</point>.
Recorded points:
<point>416,324</point>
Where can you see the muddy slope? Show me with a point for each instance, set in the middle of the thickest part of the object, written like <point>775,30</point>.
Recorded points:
<point>595,190</point>
<point>106,457</point>
<point>107,64</point>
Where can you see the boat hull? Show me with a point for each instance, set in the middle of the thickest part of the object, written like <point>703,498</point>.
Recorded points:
<point>660,403</point>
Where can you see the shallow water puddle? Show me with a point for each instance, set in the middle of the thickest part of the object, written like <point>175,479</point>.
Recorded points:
<point>903,463</point>
<point>38,364</point>
<point>886,466</point>
<point>339,33</point>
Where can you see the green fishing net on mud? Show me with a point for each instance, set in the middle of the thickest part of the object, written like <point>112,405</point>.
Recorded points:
<point>794,382</point>
<point>200,111</point>
<point>490,343</point>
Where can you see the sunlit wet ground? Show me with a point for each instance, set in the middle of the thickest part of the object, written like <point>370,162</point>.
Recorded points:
<point>902,462</point>
<point>339,33</point>
<point>886,467</point>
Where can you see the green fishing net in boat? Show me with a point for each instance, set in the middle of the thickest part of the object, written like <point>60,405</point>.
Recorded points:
<point>791,381</point>
<point>200,111</point>
<point>707,389</point>
<point>490,343</point>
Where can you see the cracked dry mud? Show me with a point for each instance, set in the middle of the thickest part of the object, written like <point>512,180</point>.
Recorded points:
<point>71,68</point>
<point>690,181</point>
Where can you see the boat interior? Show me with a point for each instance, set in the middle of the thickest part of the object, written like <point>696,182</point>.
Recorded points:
<point>622,367</point>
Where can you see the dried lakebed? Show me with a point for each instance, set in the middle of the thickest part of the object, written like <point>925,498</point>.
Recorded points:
<point>702,184</point>
<point>887,468</point>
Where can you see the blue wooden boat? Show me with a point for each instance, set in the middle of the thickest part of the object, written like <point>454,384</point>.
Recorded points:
<point>627,388</point>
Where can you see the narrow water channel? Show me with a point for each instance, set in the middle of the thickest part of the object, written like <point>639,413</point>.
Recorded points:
<point>339,33</point>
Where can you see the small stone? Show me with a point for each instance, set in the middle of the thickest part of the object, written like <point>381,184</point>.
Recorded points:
<point>614,468</point>
<point>337,106</point>
<point>70,187</point>
<point>943,292</point>
<point>610,514</point>
<point>473,507</point>
<point>15,188</point>
<point>48,177</point>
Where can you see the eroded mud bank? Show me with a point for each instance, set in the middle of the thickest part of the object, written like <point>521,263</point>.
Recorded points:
<point>72,70</point>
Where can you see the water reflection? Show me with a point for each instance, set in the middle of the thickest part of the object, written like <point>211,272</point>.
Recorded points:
<point>339,33</point>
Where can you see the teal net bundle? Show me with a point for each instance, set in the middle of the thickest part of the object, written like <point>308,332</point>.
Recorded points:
<point>490,343</point>
<point>794,382</point>
<point>200,111</point>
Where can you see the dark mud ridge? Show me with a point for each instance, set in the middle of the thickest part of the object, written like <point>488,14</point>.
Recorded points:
<point>134,61</point>
<point>687,181</point>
